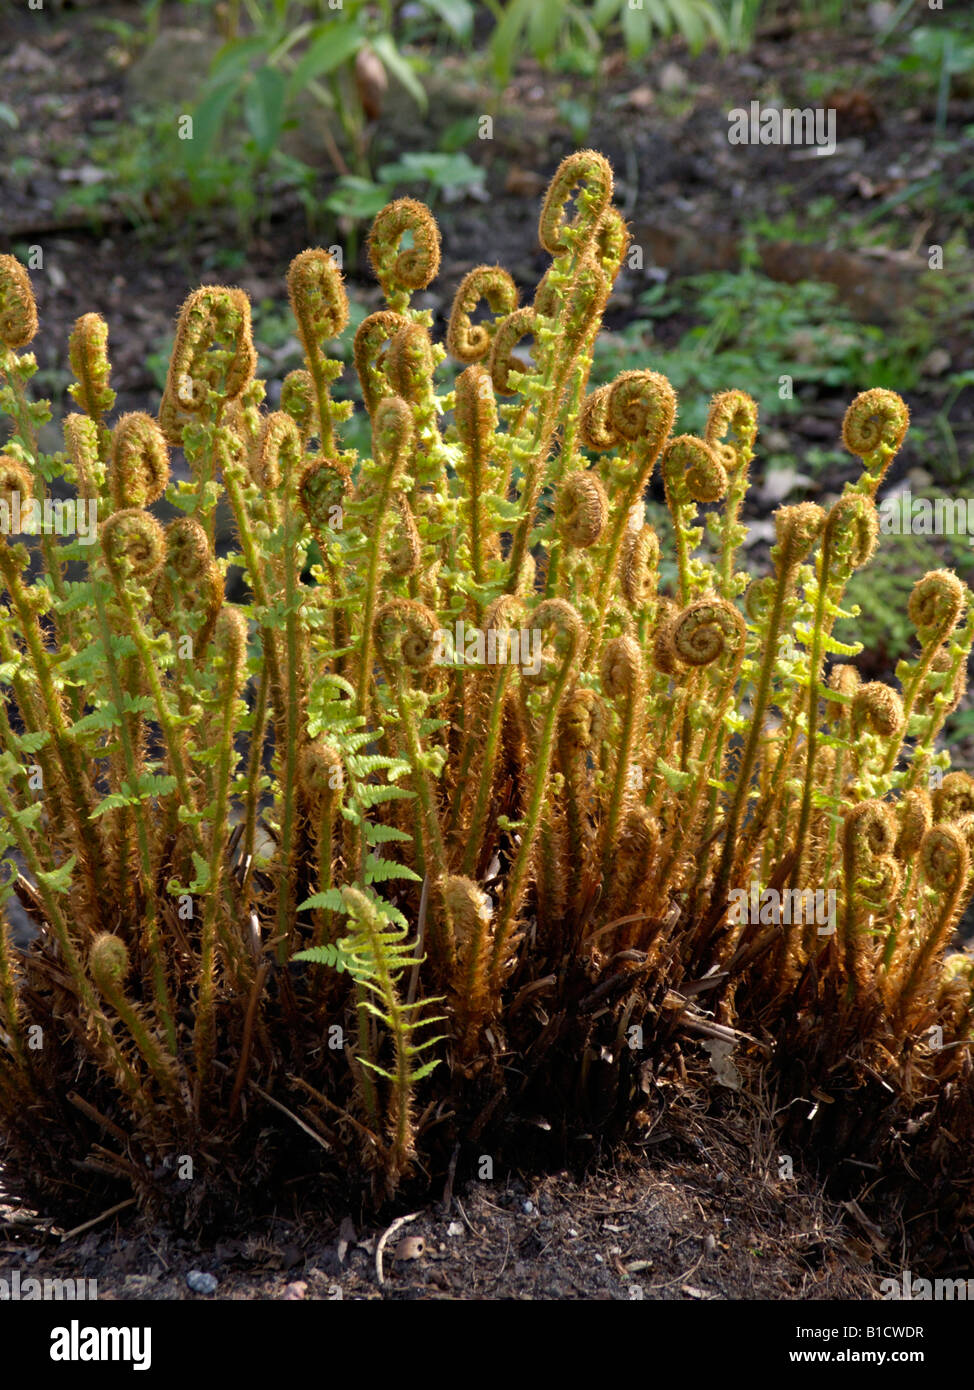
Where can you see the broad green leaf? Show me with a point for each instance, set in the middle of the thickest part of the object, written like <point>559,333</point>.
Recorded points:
<point>457,15</point>
<point>333,44</point>
<point>357,198</point>
<point>234,59</point>
<point>400,68</point>
<point>637,29</point>
<point>208,119</point>
<point>504,40</point>
<point>264,109</point>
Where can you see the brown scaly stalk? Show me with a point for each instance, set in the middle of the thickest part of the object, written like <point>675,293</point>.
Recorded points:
<point>405,639</point>
<point>230,650</point>
<point>945,866</point>
<point>555,675</point>
<point>797,529</point>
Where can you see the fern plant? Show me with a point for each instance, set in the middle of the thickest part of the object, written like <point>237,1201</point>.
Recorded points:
<point>458,762</point>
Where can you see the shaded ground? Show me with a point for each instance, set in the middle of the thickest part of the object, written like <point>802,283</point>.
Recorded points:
<point>694,1218</point>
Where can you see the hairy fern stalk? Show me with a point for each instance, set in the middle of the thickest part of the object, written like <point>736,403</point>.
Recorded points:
<point>458,816</point>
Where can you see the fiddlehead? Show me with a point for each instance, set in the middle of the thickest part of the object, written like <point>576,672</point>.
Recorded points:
<point>18,308</point>
<point>133,543</point>
<point>320,307</point>
<point>503,359</point>
<point>587,176</point>
<point>692,474</point>
<point>213,351</point>
<point>371,339</point>
<point>476,421</point>
<point>873,429</point>
<point>88,355</point>
<point>401,271</point>
<point>470,342</point>
<point>582,508</point>
<point>138,471</point>
<point>639,565</point>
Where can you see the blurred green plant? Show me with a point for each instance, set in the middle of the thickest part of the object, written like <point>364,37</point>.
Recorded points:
<point>449,175</point>
<point>552,28</point>
<point>942,53</point>
<point>875,599</point>
<point>342,62</point>
<point>759,331</point>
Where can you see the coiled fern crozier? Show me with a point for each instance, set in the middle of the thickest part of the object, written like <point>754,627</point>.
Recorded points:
<point>457,762</point>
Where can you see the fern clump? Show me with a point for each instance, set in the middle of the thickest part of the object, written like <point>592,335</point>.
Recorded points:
<point>460,815</point>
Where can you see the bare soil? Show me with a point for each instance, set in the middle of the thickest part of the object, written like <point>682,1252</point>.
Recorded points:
<point>700,1214</point>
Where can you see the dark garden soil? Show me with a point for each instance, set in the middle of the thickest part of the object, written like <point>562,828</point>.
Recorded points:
<point>702,1212</point>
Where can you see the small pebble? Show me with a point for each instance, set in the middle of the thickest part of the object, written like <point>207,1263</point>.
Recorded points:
<point>202,1283</point>
<point>455,1228</point>
<point>294,1292</point>
<point>527,1208</point>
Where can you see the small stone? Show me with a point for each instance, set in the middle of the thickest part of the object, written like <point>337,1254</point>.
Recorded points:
<point>527,1208</point>
<point>936,362</point>
<point>134,1285</point>
<point>200,1282</point>
<point>776,441</point>
<point>26,58</point>
<point>880,14</point>
<point>673,79</point>
<point>455,1228</point>
<point>641,98</point>
<point>296,1291</point>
